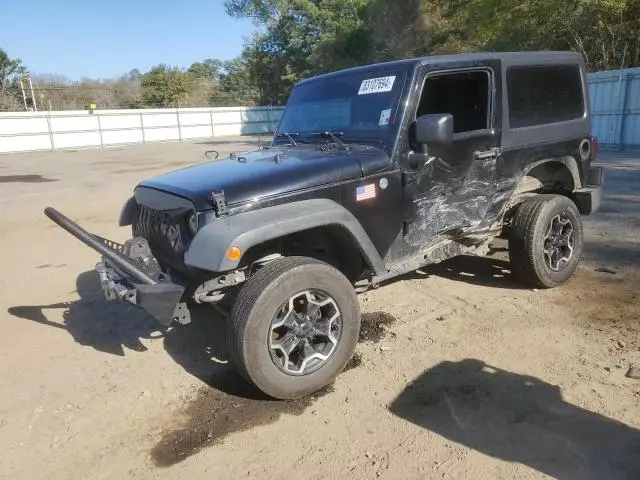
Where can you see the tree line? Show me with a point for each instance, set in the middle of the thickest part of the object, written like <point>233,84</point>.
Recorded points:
<point>300,38</point>
<point>208,83</point>
<point>295,39</point>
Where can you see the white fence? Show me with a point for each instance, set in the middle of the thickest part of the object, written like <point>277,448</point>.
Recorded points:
<point>615,108</point>
<point>32,131</point>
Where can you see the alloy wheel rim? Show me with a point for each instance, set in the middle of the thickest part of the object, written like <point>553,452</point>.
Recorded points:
<point>305,332</point>
<point>558,242</point>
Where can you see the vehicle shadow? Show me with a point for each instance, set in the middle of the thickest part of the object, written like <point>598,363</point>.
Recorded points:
<point>484,271</point>
<point>112,327</point>
<point>94,322</point>
<point>518,418</point>
<point>201,349</point>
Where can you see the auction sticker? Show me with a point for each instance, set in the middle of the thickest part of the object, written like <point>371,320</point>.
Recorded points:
<point>377,85</point>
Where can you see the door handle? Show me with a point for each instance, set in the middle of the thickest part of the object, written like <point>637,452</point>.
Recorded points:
<point>492,153</point>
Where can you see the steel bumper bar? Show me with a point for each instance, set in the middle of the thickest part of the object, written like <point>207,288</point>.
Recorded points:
<point>127,279</point>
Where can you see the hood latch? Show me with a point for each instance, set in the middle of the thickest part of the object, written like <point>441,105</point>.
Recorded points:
<point>219,203</point>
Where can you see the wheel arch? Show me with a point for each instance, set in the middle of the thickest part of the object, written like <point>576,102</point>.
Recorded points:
<point>250,230</point>
<point>128,213</point>
<point>332,244</point>
<point>551,172</point>
<point>527,235</point>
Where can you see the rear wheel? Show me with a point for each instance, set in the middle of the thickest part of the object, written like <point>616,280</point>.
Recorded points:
<point>545,241</point>
<point>294,327</point>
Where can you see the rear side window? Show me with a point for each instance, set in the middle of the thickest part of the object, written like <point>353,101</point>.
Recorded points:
<point>541,95</point>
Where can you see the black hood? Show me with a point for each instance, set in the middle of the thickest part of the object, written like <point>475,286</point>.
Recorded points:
<point>274,171</point>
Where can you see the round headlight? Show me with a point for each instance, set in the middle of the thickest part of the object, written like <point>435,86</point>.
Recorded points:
<point>192,222</point>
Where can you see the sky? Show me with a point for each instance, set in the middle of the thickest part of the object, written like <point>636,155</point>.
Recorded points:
<point>104,39</point>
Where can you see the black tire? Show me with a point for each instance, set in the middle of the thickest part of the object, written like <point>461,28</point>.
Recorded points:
<point>257,304</point>
<point>527,240</point>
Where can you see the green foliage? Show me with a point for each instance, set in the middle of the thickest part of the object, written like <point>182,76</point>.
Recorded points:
<point>257,9</point>
<point>236,87</point>
<point>297,39</point>
<point>210,82</point>
<point>208,69</point>
<point>164,86</point>
<point>301,38</point>
<point>134,74</point>
<point>599,29</point>
<point>11,69</point>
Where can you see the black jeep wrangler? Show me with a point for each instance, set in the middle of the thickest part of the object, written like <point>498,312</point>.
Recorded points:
<point>373,172</point>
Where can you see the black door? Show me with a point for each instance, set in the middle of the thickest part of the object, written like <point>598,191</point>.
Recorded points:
<point>450,192</point>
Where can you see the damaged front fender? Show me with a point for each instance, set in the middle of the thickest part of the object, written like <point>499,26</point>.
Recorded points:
<point>208,250</point>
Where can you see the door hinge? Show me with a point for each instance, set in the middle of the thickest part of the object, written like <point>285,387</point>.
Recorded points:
<point>219,203</point>
<point>492,153</point>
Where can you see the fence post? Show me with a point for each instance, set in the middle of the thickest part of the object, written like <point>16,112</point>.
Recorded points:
<point>144,139</point>
<point>100,131</point>
<point>179,127</point>
<point>623,112</point>
<point>213,132</point>
<point>53,148</point>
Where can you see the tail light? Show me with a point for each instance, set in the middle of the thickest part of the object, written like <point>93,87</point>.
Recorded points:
<point>595,147</point>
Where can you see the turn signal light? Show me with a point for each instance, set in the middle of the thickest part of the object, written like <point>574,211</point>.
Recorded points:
<point>234,254</point>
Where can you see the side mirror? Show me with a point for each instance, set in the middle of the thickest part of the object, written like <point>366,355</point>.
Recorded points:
<point>436,128</point>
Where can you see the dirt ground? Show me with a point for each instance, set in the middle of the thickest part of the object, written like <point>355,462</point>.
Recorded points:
<point>462,373</point>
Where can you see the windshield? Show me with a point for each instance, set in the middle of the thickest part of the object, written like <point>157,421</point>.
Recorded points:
<point>357,104</point>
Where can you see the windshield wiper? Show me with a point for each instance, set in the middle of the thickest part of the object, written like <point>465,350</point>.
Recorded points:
<point>334,136</point>
<point>289,137</point>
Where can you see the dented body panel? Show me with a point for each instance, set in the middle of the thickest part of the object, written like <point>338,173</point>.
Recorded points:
<point>358,188</point>
<point>461,192</point>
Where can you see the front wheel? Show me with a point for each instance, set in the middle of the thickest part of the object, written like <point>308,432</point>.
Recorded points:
<point>294,327</point>
<point>545,241</point>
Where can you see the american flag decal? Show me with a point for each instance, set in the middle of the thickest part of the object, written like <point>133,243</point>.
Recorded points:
<point>366,192</point>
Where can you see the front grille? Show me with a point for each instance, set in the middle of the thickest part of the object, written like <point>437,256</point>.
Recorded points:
<point>167,236</point>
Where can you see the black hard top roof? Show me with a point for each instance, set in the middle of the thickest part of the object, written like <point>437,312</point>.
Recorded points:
<point>532,57</point>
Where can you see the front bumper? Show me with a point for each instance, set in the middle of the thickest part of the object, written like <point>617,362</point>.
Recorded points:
<point>160,300</point>
<point>130,273</point>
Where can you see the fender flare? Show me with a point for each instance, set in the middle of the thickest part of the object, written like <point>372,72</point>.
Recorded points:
<point>128,213</point>
<point>244,230</point>
<point>568,161</point>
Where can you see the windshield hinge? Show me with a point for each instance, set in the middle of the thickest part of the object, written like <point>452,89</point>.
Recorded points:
<point>219,203</point>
